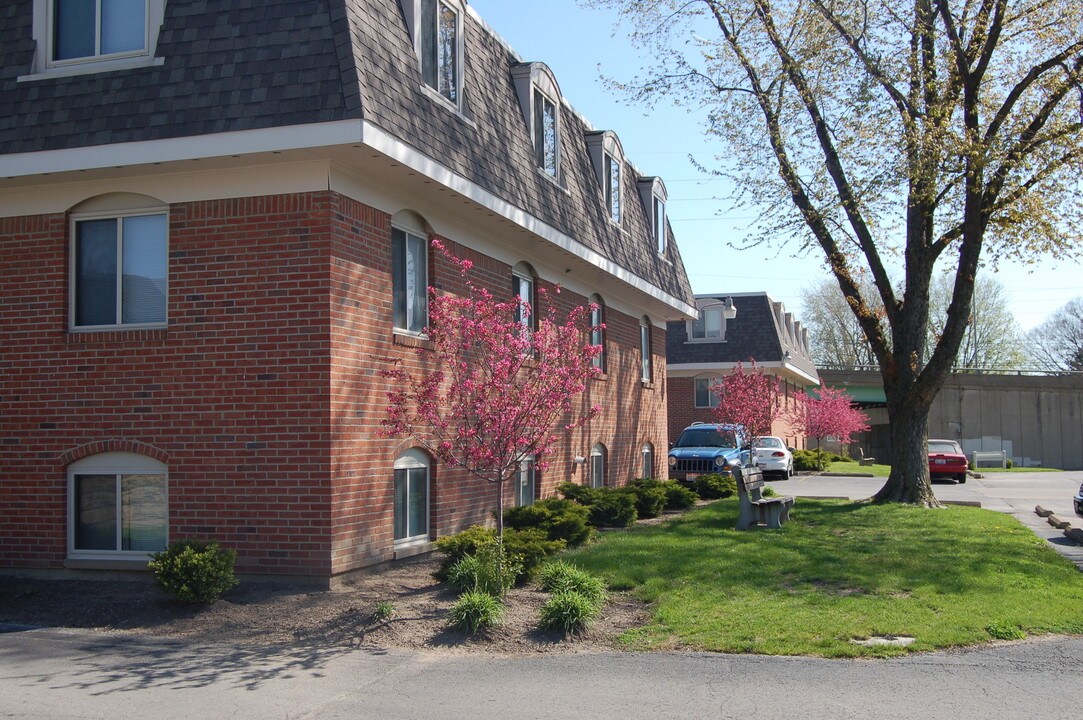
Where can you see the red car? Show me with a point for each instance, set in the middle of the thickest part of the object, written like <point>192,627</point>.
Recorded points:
<point>946,458</point>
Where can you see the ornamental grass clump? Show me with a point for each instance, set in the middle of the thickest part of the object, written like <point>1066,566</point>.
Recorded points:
<point>559,577</point>
<point>489,570</point>
<point>568,612</point>
<point>476,611</point>
<point>194,571</point>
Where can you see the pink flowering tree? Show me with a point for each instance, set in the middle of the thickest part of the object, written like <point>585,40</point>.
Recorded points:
<point>832,413</point>
<point>493,391</point>
<point>751,399</point>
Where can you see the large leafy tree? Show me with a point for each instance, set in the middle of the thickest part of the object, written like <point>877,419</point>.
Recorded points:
<point>888,133</point>
<point>490,392</point>
<point>749,398</point>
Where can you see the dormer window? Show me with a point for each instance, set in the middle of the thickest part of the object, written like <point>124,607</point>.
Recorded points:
<point>539,98</point>
<point>607,157</point>
<point>612,187</point>
<point>437,29</point>
<point>545,133</point>
<point>711,324</point>
<point>660,224</point>
<point>75,37</point>
<point>653,194</point>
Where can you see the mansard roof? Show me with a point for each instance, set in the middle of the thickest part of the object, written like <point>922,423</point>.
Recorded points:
<point>257,64</point>
<point>762,330</point>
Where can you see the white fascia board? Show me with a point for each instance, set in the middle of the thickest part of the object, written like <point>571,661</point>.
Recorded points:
<point>391,146</point>
<point>294,137</point>
<point>694,369</point>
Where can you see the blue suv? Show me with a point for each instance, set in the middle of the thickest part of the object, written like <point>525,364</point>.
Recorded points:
<point>705,448</point>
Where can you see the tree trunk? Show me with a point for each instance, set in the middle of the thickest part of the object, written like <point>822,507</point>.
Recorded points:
<point>500,510</point>
<point>909,479</point>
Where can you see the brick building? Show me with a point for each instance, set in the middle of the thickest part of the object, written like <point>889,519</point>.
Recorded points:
<point>214,230</point>
<point>734,328</point>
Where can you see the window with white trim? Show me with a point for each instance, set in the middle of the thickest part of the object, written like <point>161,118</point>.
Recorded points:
<point>524,289</point>
<point>645,361</point>
<point>441,26</point>
<point>119,270</point>
<point>412,497</point>
<point>546,136</point>
<point>597,330</point>
<point>612,187</point>
<point>705,397</point>
<point>525,481</point>
<point>709,326</point>
<point>117,506</point>
<point>409,281</point>
<point>597,465</point>
<point>647,454</point>
<point>659,217</point>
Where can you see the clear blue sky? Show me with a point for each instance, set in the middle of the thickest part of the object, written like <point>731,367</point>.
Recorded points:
<point>582,44</point>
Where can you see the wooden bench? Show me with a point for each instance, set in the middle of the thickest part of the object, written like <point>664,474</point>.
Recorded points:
<point>862,460</point>
<point>756,510</point>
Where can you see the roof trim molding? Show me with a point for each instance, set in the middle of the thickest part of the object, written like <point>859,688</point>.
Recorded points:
<point>694,369</point>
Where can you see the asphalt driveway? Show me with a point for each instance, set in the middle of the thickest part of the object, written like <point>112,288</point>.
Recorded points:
<point>1013,493</point>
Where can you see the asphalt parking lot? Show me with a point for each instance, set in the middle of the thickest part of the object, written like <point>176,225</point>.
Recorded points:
<point>1013,493</point>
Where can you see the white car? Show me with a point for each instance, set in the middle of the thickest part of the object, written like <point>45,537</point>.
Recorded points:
<point>773,456</point>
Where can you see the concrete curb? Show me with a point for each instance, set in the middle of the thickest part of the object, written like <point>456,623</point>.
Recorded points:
<point>1042,512</point>
<point>1074,533</point>
<point>963,503</point>
<point>835,474</point>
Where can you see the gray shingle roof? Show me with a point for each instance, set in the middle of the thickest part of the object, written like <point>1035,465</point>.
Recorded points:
<point>250,64</point>
<point>759,331</point>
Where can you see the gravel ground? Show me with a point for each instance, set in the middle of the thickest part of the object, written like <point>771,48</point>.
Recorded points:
<point>264,614</point>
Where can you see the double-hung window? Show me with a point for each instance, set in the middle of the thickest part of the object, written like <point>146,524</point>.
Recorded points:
<point>82,30</point>
<point>119,271</point>
<point>645,364</point>
<point>709,324</point>
<point>409,281</point>
<point>647,453</point>
<point>612,187</point>
<point>597,330</point>
<point>523,288</point>
<point>659,230</point>
<point>412,497</point>
<point>545,133</point>
<point>117,506</point>
<point>439,47</point>
<point>597,465</point>
<point>705,396</point>
<point>525,481</point>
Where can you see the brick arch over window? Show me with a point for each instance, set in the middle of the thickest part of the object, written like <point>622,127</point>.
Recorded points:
<point>113,445</point>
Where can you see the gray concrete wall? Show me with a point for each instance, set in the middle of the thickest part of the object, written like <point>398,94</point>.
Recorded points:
<point>1035,420</point>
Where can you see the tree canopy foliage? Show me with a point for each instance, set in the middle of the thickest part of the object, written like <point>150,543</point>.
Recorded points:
<point>910,133</point>
<point>1057,344</point>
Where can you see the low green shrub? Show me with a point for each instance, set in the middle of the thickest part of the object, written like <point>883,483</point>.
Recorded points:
<point>529,547</point>
<point>715,486</point>
<point>489,570</point>
<point>768,492</point>
<point>582,494</point>
<point>613,509</point>
<point>1003,630</point>
<point>1009,464</point>
<point>560,576</point>
<point>650,497</point>
<point>476,611</point>
<point>559,519</point>
<point>679,497</point>
<point>806,460</point>
<point>456,547</point>
<point>194,571</point>
<point>568,612</point>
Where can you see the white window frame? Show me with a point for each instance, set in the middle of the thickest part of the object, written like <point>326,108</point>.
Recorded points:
<point>118,464</point>
<point>45,66</point>
<point>646,361</point>
<point>703,312</point>
<point>646,453</point>
<point>713,399</point>
<point>540,154</point>
<point>118,215</point>
<point>520,274</point>
<point>413,459</point>
<point>658,217</point>
<point>613,200</point>
<point>526,475</point>
<point>418,22</point>
<point>598,334</point>
<point>597,465</point>
<point>408,235</point>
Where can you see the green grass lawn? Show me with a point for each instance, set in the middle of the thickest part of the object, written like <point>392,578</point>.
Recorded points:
<point>839,571</point>
<point>854,468</point>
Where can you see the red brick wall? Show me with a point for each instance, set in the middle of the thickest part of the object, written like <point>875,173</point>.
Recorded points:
<point>263,395</point>
<point>232,391</point>
<point>363,343</point>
